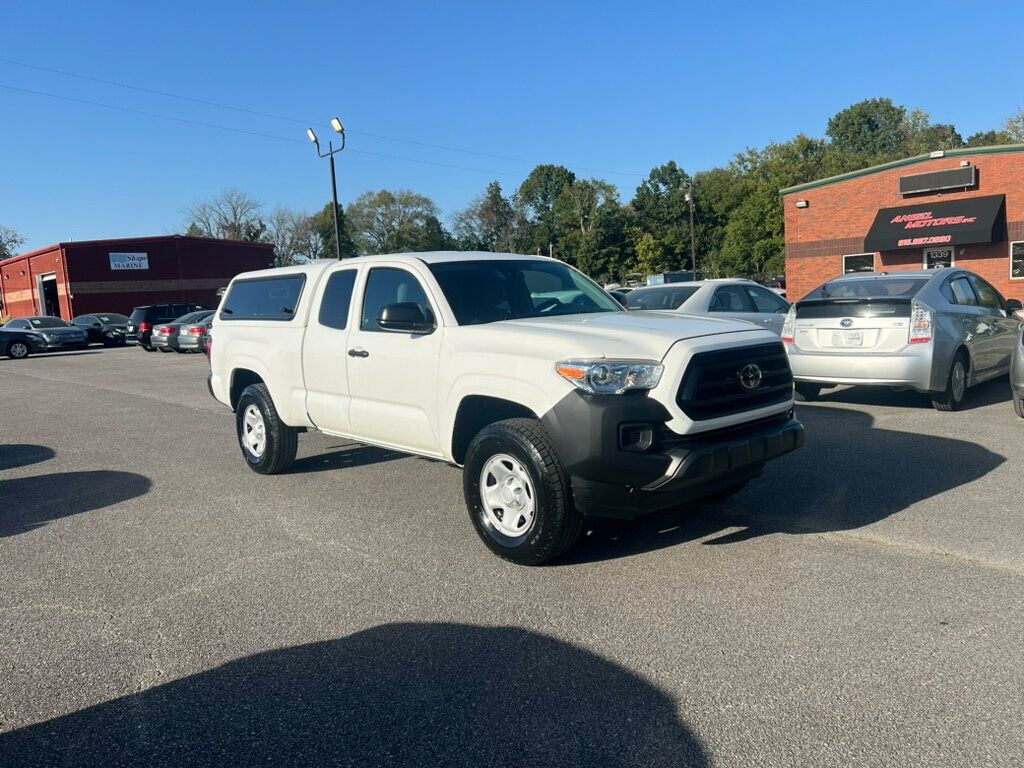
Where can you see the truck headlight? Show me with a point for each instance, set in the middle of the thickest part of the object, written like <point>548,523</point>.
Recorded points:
<point>610,377</point>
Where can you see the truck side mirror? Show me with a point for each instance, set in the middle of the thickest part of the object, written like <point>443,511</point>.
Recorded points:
<point>405,317</point>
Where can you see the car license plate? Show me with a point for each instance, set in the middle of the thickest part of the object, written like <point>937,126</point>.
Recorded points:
<point>847,338</point>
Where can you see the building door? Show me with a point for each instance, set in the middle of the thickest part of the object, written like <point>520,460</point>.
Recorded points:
<point>49,302</point>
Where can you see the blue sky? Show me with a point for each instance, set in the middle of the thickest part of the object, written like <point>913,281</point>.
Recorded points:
<point>609,89</point>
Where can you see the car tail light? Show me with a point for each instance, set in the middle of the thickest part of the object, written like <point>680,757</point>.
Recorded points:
<point>143,327</point>
<point>196,331</point>
<point>920,323</point>
<point>789,326</point>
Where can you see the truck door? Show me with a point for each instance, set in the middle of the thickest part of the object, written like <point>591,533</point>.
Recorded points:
<point>324,362</point>
<point>392,375</point>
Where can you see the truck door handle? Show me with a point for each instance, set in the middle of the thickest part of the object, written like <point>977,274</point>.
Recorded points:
<point>358,353</point>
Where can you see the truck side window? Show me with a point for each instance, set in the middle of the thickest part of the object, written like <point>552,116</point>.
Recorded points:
<point>337,299</point>
<point>387,285</point>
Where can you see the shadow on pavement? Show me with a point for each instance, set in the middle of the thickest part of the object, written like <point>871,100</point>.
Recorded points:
<point>847,475</point>
<point>14,455</point>
<point>348,456</point>
<point>991,392</point>
<point>27,503</point>
<point>395,695</point>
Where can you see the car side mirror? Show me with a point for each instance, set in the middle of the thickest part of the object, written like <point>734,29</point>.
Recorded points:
<point>1014,305</point>
<point>405,317</point>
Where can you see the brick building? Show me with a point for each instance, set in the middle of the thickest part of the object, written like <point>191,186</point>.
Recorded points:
<point>69,279</point>
<point>962,207</point>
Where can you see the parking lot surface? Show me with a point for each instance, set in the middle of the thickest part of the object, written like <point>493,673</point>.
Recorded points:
<point>160,604</point>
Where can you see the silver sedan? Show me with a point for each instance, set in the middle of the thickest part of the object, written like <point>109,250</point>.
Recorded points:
<point>938,331</point>
<point>733,298</point>
<point>1017,373</point>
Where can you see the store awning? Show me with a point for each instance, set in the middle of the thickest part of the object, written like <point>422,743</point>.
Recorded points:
<point>950,222</point>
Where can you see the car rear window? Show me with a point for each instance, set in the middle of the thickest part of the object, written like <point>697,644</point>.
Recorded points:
<point>659,298</point>
<point>263,298</point>
<point>870,288</point>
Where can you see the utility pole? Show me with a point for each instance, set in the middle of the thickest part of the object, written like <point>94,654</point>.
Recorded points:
<point>551,250</point>
<point>693,233</point>
<point>330,153</point>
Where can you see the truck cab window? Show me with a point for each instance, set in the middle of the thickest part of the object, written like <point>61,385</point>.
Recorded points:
<point>387,285</point>
<point>337,299</point>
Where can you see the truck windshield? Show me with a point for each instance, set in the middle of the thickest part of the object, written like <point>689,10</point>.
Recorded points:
<point>488,291</point>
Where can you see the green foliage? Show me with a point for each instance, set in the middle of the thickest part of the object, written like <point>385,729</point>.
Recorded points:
<point>10,242</point>
<point>321,245</point>
<point>396,222</point>
<point>490,223</point>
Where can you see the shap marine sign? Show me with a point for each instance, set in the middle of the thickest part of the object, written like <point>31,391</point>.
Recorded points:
<point>949,222</point>
<point>129,261</point>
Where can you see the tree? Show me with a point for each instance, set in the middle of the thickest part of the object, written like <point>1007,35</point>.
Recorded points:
<point>490,223</point>
<point>10,242</point>
<point>396,222</point>
<point>230,215</point>
<point>1014,128</point>
<point>537,196</point>
<point>296,237</point>
<point>663,212</point>
<point>321,226</point>
<point>873,128</point>
<point>989,139</point>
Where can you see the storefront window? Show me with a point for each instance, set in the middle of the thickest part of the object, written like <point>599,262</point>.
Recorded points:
<point>937,258</point>
<point>858,262</point>
<point>1017,260</point>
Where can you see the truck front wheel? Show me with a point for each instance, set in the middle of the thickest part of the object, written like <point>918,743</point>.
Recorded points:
<point>518,495</point>
<point>268,444</point>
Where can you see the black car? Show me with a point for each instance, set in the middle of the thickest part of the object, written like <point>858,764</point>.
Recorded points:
<point>140,324</point>
<point>106,328</point>
<point>56,334</point>
<point>18,344</point>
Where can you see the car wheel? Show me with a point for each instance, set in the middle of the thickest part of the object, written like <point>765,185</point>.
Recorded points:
<point>952,397</point>
<point>807,393</point>
<point>17,350</point>
<point>164,349</point>
<point>1018,405</point>
<point>518,495</point>
<point>268,444</point>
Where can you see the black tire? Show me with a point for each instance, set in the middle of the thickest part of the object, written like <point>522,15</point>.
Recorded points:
<point>1018,405</point>
<point>281,441</point>
<point>17,350</point>
<point>807,393</point>
<point>556,522</point>
<point>164,349</point>
<point>952,397</point>
<point>147,347</point>
<point>726,492</point>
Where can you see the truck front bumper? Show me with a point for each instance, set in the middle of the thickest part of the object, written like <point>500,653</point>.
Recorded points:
<point>609,481</point>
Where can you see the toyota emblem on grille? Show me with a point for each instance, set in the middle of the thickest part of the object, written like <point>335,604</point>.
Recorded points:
<point>750,376</point>
<point>846,322</point>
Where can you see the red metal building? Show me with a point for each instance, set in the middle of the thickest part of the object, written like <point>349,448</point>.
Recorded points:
<point>960,207</point>
<point>69,279</point>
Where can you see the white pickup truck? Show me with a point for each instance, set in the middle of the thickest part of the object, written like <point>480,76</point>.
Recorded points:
<point>556,402</point>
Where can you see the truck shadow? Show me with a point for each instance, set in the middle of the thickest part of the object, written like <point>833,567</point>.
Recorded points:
<point>26,503</point>
<point>395,695</point>
<point>14,455</point>
<point>991,392</point>
<point>344,456</point>
<point>848,474</point>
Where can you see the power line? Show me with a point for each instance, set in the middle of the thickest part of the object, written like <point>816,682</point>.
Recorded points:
<point>273,116</point>
<point>247,132</point>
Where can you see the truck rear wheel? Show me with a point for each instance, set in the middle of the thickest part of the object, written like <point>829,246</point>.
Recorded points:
<point>518,495</point>
<point>268,444</point>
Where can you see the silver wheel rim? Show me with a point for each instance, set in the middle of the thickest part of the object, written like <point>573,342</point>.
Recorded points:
<point>18,349</point>
<point>507,496</point>
<point>959,380</point>
<point>254,431</point>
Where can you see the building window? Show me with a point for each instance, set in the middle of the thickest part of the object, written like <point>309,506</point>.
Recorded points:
<point>937,258</point>
<point>1017,260</point>
<point>858,262</point>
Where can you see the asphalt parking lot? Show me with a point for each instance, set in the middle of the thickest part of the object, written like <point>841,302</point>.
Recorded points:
<point>160,604</point>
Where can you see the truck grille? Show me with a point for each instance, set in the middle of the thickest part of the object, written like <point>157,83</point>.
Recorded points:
<point>714,384</point>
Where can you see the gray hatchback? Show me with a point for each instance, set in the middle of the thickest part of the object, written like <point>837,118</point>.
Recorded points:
<point>1017,374</point>
<point>936,331</point>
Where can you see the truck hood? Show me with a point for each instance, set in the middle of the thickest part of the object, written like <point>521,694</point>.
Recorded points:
<point>642,335</point>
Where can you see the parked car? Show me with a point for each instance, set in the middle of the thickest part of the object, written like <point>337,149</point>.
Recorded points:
<point>1017,374</point>
<point>190,334</point>
<point>142,320</point>
<point>106,328</point>
<point>734,298</point>
<point>205,341</point>
<point>555,401</point>
<point>57,334</point>
<point>937,331</point>
<point>165,336</point>
<point>18,344</point>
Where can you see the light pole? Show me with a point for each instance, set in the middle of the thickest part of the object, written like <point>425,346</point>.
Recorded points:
<point>330,153</point>
<point>693,233</point>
